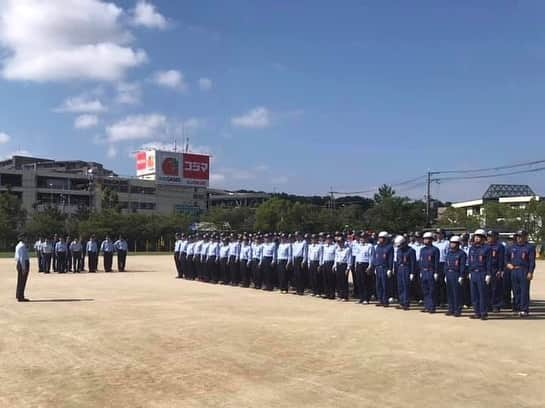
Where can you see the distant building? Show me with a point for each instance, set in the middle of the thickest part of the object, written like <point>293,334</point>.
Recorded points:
<point>224,198</point>
<point>75,184</point>
<point>513,195</point>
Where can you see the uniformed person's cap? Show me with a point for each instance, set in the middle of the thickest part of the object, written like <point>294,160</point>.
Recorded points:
<point>314,236</point>
<point>329,236</point>
<point>455,239</point>
<point>440,231</point>
<point>492,233</point>
<point>383,234</point>
<point>428,235</point>
<point>521,233</point>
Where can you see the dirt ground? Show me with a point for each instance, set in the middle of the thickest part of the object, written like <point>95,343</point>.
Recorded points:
<point>144,339</point>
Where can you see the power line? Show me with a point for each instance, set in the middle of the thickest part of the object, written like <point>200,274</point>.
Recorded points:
<point>512,173</point>
<point>374,189</point>
<point>510,166</point>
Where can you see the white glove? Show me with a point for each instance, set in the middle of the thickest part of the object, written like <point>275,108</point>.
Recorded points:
<point>411,277</point>
<point>334,269</point>
<point>389,273</point>
<point>302,264</point>
<point>445,279</point>
<point>469,276</point>
<point>487,279</point>
<point>460,280</point>
<point>420,276</point>
<point>436,277</point>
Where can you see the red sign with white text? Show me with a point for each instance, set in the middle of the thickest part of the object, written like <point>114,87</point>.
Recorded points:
<point>196,166</point>
<point>140,161</point>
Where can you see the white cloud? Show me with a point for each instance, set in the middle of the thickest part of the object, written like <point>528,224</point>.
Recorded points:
<point>205,84</point>
<point>158,145</point>
<point>128,93</point>
<point>146,15</point>
<point>65,40</point>
<point>257,118</point>
<point>170,79</point>
<point>216,178</point>
<point>81,104</point>
<point>21,152</point>
<point>86,121</point>
<point>138,127</point>
<point>111,153</point>
<point>4,138</point>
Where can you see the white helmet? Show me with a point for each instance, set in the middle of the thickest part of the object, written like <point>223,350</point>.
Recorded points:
<point>480,232</point>
<point>428,235</point>
<point>456,239</point>
<point>383,234</point>
<point>399,240</point>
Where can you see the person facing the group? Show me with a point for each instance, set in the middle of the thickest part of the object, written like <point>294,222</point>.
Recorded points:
<point>22,265</point>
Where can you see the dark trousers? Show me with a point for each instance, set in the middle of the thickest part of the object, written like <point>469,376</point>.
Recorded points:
<point>244,273</point>
<point>210,267</point>
<point>183,263</point>
<point>233,269</point>
<point>440,287</point>
<point>364,281</point>
<point>299,275</point>
<point>341,283</point>
<point>61,262</point>
<point>521,290</point>
<point>256,273</point>
<point>108,260</point>
<point>507,287</point>
<point>83,255</point>
<point>496,291</point>
<point>76,261</point>
<point>329,280</point>
<point>69,261</point>
<point>54,261</point>
<point>416,287</point>
<point>177,264</point>
<point>39,257</point>
<point>214,270</point>
<point>403,285</point>
<point>382,284</point>
<point>479,293</point>
<point>23,269</point>
<point>454,292</point>
<point>121,260</point>
<point>224,271</point>
<point>46,263</point>
<point>282,271</point>
<point>428,289</point>
<point>316,278</point>
<point>93,261</point>
<point>190,269</point>
<point>268,272</point>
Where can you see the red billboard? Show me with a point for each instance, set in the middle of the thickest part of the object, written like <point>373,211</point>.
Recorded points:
<point>140,161</point>
<point>196,166</point>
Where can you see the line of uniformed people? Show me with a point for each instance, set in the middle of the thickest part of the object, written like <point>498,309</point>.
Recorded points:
<point>424,268</point>
<point>68,255</point>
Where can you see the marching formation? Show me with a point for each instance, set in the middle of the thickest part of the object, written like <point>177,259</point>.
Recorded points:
<point>68,255</point>
<point>471,270</point>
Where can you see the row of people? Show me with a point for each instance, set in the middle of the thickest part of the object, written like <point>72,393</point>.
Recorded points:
<point>68,255</point>
<point>481,272</point>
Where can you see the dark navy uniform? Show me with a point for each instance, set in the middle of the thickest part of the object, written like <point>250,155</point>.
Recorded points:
<point>405,267</point>
<point>429,268</point>
<point>497,260</point>
<point>455,274</point>
<point>523,259</point>
<point>480,267</point>
<point>383,261</point>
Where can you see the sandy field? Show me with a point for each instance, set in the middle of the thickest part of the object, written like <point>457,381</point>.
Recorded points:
<point>144,339</point>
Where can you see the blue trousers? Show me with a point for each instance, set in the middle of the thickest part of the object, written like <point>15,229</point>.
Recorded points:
<point>428,290</point>
<point>521,290</point>
<point>382,285</point>
<point>479,293</point>
<point>454,292</point>
<point>403,285</point>
<point>496,292</point>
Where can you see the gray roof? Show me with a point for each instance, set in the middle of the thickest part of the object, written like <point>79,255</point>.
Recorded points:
<point>496,191</point>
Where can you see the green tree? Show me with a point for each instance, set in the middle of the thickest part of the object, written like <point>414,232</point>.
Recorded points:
<point>110,199</point>
<point>12,219</point>
<point>46,223</point>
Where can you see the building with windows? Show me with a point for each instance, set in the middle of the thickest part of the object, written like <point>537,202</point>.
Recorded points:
<point>75,184</point>
<point>513,195</point>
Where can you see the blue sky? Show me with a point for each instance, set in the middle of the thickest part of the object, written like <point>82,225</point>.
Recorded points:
<point>295,96</point>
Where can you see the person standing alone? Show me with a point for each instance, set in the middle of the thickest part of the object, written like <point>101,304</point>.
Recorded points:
<point>23,268</point>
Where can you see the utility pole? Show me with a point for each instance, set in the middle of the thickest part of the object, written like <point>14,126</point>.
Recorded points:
<point>331,200</point>
<point>428,200</point>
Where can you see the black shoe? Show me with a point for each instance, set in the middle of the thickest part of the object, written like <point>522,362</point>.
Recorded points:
<point>432,311</point>
<point>399,307</point>
<point>496,310</point>
<point>475,316</point>
<point>379,305</point>
<point>23,300</point>
<point>449,313</point>
<point>424,311</point>
<point>457,314</point>
<point>484,317</point>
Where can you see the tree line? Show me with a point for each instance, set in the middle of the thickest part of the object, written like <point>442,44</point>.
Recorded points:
<point>385,211</point>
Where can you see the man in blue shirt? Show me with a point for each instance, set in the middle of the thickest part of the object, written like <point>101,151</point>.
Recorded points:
<point>107,249</point>
<point>92,253</point>
<point>121,247</point>
<point>521,261</point>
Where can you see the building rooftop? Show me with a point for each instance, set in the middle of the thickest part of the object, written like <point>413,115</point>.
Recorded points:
<point>497,191</point>
<point>63,166</point>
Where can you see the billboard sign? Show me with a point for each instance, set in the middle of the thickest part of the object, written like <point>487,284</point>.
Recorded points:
<point>174,168</point>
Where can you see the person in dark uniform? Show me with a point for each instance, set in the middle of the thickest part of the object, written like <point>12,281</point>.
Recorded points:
<point>83,252</point>
<point>22,264</point>
<point>521,261</point>
<point>38,248</point>
<point>54,254</point>
<point>328,260</point>
<point>68,266</point>
<point>121,247</point>
<point>177,245</point>
<point>268,262</point>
